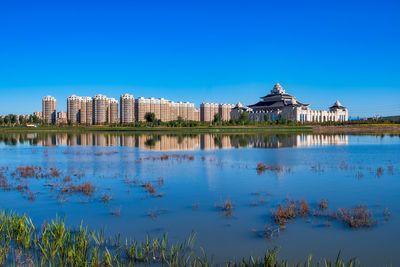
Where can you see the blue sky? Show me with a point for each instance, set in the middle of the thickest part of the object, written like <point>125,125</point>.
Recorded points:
<point>220,51</point>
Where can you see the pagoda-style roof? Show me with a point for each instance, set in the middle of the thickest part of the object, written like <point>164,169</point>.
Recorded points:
<point>337,105</point>
<point>240,107</point>
<point>278,98</point>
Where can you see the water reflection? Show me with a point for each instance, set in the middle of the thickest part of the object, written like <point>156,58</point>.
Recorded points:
<point>170,142</point>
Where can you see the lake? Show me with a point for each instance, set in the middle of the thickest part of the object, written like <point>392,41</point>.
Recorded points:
<point>225,187</point>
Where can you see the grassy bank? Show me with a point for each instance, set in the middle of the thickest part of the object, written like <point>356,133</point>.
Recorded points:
<point>358,129</point>
<point>320,129</point>
<point>54,244</point>
<point>204,129</point>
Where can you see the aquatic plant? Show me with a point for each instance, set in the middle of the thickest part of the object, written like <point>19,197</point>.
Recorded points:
<point>386,214</point>
<point>360,175</point>
<point>225,207</point>
<point>261,167</point>
<point>195,205</point>
<point>155,213</point>
<point>285,213</point>
<point>322,205</point>
<point>357,217</point>
<point>148,186</point>
<point>106,198</point>
<point>379,172</point>
<point>86,188</point>
<point>116,211</point>
<point>304,208</point>
<point>54,244</point>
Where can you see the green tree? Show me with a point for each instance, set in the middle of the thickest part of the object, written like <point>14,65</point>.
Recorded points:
<point>244,118</point>
<point>217,117</point>
<point>1,121</point>
<point>22,120</point>
<point>35,119</point>
<point>150,117</point>
<point>13,119</point>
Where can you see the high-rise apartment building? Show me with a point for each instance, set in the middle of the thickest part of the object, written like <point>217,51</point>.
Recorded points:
<point>209,110</point>
<point>100,109</point>
<point>142,106</point>
<point>49,109</point>
<point>62,117</point>
<point>73,109</point>
<point>127,108</point>
<point>155,107</point>
<point>224,111</point>
<point>38,114</point>
<point>112,110</point>
<point>205,112</point>
<point>190,111</point>
<point>86,113</point>
<point>164,109</point>
<point>196,114</point>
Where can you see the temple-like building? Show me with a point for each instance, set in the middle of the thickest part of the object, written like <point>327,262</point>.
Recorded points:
<point>280,105</point>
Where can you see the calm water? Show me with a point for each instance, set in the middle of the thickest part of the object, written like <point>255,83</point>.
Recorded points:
<point>204,169</point>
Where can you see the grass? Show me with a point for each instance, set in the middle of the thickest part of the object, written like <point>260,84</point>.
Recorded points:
<point>157,129</point>
<point>54,244</point>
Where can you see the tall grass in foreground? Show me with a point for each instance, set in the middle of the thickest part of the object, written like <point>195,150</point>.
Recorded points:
<point>23,244</point>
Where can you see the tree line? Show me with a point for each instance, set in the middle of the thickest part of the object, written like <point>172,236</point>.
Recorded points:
<point>12,120</point>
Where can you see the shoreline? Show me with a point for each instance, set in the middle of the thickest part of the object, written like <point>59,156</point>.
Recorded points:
<point>318,129</point>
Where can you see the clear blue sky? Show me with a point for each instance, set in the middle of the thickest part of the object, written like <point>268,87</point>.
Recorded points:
<point>220,51</point>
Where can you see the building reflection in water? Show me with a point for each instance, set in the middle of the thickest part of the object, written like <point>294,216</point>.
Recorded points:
<point>174,142</point>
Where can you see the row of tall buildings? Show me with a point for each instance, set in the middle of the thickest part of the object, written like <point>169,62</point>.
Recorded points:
<point>100,110</point>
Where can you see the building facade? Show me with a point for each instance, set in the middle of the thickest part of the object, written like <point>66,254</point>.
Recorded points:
<point>209,110</point>
<point>49,109</point>
<point>38,114</point>
<point>112,110</point>
<point>100,109</point>
<point>280,105</point>
<point>86,112</point>
<point>62,117</point>
<point>73,109</point>
<point>127,108</point>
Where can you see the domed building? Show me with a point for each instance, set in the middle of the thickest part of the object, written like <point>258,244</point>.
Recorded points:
<point>280,105</point>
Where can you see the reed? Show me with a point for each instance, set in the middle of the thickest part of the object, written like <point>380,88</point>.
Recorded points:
<point>357,217</point>
<point>116,211</point>
<point>261,167</point>
<point>54,244</point>
<point>155,213</point>
<point>379,172</point>
<point>226,207</point>
<point>106,198</point>
<point>86,188</point>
